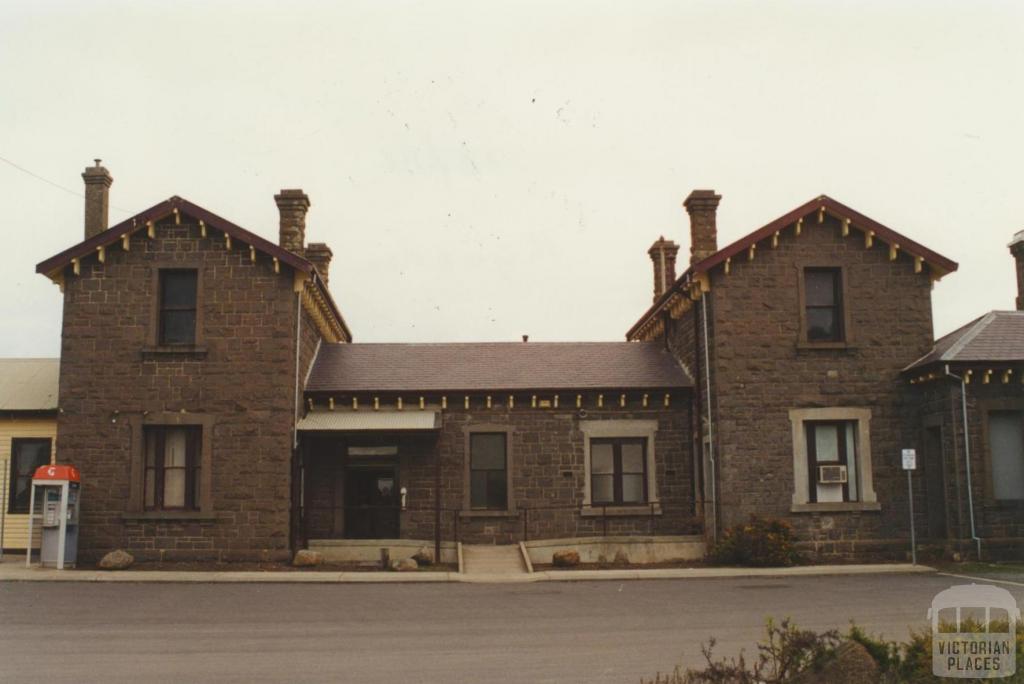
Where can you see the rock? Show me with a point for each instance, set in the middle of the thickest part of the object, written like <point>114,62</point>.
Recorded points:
<point>565,559</point>
<point>423,557</point>
<point>621,558</point>
<point>304,558</point>
<point>404,565</point>
<point>852,665</point>
<point>116,560</point>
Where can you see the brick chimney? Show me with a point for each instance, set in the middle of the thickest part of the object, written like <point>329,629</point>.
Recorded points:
<point>320,255</point>
<point>97,199</point>
<point>293,205</point>
<point>663,255</point>
<point>1017,250</point>
<point>702,205</point>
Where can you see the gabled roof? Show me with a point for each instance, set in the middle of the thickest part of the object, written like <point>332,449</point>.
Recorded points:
<point>29,384</point>
<point>824,204</point>
<point>996,337</point>
<point>495,366</point>
<point>177,206</point>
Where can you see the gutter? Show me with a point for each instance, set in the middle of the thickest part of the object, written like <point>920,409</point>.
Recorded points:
<point>967,457</point>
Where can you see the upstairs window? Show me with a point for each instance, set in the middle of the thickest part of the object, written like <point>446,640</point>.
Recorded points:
<point>177,307</point>
<point>823,304</point>
<point>488,471</point>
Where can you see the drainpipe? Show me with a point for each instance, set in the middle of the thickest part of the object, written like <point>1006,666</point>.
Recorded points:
<point>298,348</point>
<point>967,457</point>
<point>711,434</point>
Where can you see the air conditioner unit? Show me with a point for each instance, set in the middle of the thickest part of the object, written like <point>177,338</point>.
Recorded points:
<point>832,474</point>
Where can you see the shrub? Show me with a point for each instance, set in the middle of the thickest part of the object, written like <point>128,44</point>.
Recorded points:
<point>759,543</point>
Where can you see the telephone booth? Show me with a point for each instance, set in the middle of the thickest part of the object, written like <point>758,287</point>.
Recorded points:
<point>57,487</point>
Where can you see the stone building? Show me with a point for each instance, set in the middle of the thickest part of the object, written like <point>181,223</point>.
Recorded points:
<point>214,400</point>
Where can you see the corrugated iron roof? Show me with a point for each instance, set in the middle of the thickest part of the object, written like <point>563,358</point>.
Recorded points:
<point>29,384</point>
<point>357,421</point>
<point>998,336</point>
<point>495,366</point>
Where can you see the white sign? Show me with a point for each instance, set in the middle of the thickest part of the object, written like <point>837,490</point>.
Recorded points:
<point>909,459</point>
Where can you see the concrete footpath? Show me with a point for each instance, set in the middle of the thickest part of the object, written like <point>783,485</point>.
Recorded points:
<point>12,570</point>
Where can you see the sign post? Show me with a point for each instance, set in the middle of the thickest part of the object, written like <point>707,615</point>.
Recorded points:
<point>910,465</point>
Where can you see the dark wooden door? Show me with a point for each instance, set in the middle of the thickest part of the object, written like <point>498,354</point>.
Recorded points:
<point>371,503</point>
<point>935,483</point>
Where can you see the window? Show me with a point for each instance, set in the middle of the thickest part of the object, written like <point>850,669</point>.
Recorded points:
<point>618,471</point>
<point>823,304</point>
<point>177,324</point>
<point>26,456</point>
<point>172,468</point>
<point>1006,445</point>
<point>488,471</point>
<point>832,461</point>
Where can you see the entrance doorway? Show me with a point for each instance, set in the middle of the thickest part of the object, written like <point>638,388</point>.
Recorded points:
<point>935,482</point>
<point>371,502</point>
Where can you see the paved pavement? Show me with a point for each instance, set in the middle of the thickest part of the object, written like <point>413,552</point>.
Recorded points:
<point>561,632</point>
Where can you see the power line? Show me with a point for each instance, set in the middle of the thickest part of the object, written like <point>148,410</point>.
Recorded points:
<point>56,185</point>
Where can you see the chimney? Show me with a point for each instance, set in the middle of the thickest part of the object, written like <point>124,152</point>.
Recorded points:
<point>293,205</point>
<point>701,205</point>
<point>320,255</point>
<point>1017,250</point>
<point>97,199</point>
<point>663,255</point>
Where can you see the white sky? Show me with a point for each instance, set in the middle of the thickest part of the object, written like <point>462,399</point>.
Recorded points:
<point>483,169</point>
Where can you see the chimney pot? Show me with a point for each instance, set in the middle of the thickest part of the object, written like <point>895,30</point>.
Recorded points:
<point>1017,250</point>
<point>319,254</point>
<point>702,206</point>
<point>292,205</point>
<point>526,338</point>
<point>663,256</point>
<point>97,198</point>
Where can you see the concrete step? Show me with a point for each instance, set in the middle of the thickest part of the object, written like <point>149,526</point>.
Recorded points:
<point>493,560</point>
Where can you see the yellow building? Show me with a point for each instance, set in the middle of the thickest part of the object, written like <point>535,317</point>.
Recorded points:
<point>28,432</point>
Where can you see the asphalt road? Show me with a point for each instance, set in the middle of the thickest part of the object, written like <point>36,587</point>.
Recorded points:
<point>544,632</point>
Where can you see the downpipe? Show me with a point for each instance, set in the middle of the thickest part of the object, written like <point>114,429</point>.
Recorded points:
<point>711,434</point>
<point>967,457</point>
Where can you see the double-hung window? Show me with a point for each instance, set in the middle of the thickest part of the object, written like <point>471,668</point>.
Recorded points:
<point>832,461</point>
<point>823,305</point>
<point>26,456</point>
<point>172,468</point>
<point>1006,447</point>
<point>488,471</point>
<point>618,471</point>
<point>177,322</point>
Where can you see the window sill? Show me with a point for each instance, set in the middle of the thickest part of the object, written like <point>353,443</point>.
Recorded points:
<point>481,513</point>
<point>169,515</point>
<point>837,507</point>
<point>183,350</point>
<point>802,345</point>
<point>620,511</point>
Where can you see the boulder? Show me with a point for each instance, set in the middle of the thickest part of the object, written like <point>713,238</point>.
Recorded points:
<point>621,558</point>
<point>116,560</point>
<point>404,565</point>
<point>304,558</point>
<point>565,559</point>
<point>852,665</point>
<point>423,557</point>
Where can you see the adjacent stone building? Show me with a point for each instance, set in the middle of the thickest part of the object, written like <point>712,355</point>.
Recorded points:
<point>214,400</point>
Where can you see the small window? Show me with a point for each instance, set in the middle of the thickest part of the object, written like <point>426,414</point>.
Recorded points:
<point>1006,442</point>
<point>488,471</point>
<point>172,468</point>
<point>832,461</point>
<point>618,471</point>
<point>823,304</point>
<point>177,307</point>
<point>26,456</point>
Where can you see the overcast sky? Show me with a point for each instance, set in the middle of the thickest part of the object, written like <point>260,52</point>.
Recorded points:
<point>488,169</point>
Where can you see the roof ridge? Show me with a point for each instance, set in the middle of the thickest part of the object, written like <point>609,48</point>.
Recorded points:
<point>968,337</point>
